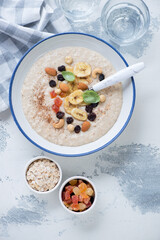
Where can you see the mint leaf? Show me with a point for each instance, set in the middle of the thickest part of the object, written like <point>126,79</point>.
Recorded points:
<point>69,76</point>
<point>91,96</point>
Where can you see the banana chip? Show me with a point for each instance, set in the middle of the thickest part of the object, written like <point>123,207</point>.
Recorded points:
<point>79,114</point>
<point>76,97</point>
<point>68,106</point>
<point>82,69</point>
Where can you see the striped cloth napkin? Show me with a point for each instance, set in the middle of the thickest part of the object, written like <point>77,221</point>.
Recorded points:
<point>22,24</point>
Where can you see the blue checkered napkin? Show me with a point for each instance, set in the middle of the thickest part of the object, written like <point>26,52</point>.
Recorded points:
<point>22,24</point>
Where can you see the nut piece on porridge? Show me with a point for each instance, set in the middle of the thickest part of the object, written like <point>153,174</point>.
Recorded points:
<point>42,175</point>
<point>64,87</point>
<point>68,59</point>
<point>96,71</point>
<point>102,98</point>
<point>59,124</point>
<point>70,127</point>
<point>82,86</point>
<point>51,71</point>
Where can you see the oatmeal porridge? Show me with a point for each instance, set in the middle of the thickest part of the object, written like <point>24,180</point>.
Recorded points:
<point>57,101</point>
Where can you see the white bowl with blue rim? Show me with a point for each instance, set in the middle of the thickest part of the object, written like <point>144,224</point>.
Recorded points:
<point>64,40</point>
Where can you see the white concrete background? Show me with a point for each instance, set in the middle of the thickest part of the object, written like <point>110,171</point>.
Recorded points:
<point>116,217</point>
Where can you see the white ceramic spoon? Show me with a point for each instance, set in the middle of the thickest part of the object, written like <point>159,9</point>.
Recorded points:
<point>118,77</point>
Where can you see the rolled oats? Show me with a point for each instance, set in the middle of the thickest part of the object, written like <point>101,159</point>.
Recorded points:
<point>42,175</point>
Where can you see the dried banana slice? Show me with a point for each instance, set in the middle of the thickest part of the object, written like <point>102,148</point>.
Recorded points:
<point>68,107</point>
<point>76,97</point>
<point>79,114</point>
<point>82,69</point>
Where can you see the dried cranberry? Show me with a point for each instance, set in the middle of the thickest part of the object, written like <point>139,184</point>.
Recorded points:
<point>92,116</point>
<point>52,83</point>
<point>77,129</point>
<point>60,115</point>
<point>89,108</point>
<point>101,77</point>
<point>94,104</point>
<point>60,77</point>
<point>62,68</point>
<point>69,120</point>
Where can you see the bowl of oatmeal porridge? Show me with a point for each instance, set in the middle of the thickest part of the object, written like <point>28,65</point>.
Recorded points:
<point>50,98</point>
<point>42,175</point>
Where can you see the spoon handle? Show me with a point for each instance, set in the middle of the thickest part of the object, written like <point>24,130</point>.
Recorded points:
<point>119,76</point>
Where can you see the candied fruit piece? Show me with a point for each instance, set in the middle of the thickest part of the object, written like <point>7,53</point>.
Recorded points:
<point>66,204</point>
<point>75,207</point>
<point>69,188</point>
<point>82,187</point>
<point>82,206</point>
<point>75,199</point>
<point>80,199</point>
<point>80,181</point>
<point>55,108</point>
<point>68,201</point>
<point>58,101</point>
<point>86,200</point>
<point>76,190</point>
<point>84,195</point>
<point>89,191</point>
<point>53,94</point>
<point>73,182</point>
<point>67,195</point>
<point>89,204</point>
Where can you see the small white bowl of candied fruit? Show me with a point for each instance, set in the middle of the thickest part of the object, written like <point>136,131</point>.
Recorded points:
<point>78,195</point>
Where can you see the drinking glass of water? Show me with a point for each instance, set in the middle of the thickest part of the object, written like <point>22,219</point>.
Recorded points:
<point>78,10</point>
<point>125,21</point>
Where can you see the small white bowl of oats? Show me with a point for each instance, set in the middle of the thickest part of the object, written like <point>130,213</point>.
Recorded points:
<point>42,175</point>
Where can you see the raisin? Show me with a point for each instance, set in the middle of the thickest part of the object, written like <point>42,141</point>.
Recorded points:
<point>60,115</point>
<point>101,77</point>
<point>60,77</point>
<point>94,105</point>
<point>69,120</point>
<point>62,68</point>
<point>52,83</point>
<point>77,129</point>
<point>92,116</point>
<point>89,108</point>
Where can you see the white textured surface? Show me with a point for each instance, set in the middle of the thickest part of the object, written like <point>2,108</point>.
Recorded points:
<point>126,174</point>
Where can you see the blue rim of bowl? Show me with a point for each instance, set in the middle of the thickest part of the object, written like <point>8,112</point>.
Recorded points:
<point>80,154</point>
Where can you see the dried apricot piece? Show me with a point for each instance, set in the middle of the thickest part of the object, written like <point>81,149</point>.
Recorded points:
<point>58,101</point>
<point>55,108</point>
<point>53,94</point>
